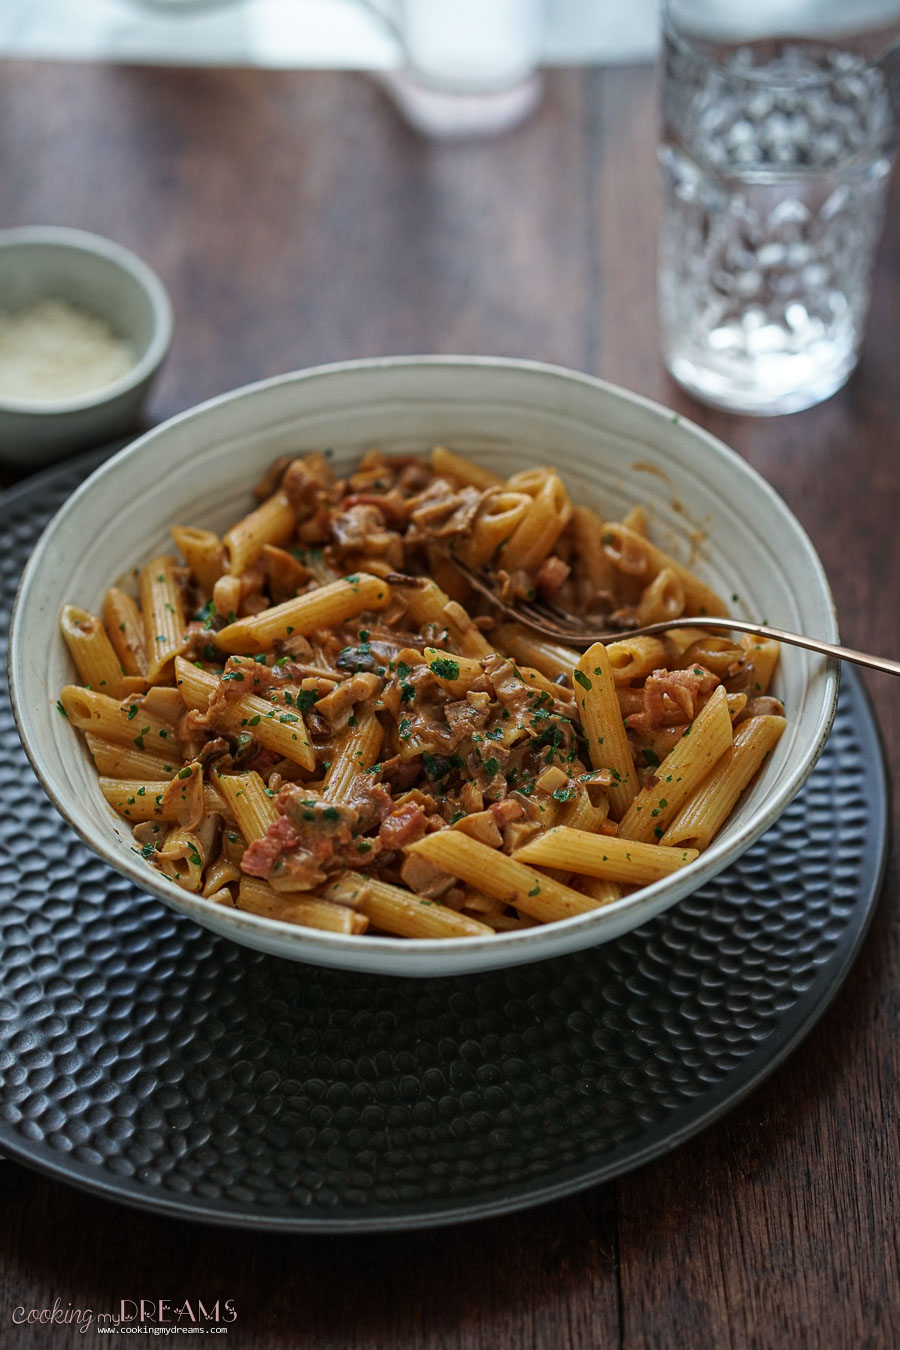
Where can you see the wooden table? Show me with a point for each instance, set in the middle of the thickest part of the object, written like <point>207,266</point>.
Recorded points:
<point>295,221</point>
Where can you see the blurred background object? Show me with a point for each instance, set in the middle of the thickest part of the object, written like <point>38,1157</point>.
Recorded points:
<point>323,34</point>
<point>468,69</point>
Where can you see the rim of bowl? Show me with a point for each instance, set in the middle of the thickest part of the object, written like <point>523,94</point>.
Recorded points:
<point>100,246</point>
<point>518,947</point>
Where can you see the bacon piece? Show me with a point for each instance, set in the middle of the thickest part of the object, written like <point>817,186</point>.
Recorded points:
<point>401,773</point>
<point>442,510</point>
<point>371,802</point>
<point>315,818</point>
<point>414,476</point>
<point>506,811</point>
<point>682,688</point>
<point>352,528</point>
<point>296,870</point>
<point>403,826</point>
<point>551,575</point>
<point>261,856</point>
<point>464,719</point>
<point>306,482</point>
<point>392,505</point>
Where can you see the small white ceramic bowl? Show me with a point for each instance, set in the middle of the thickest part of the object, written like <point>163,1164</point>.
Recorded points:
<point>107,281</point>
<point>612,448</point>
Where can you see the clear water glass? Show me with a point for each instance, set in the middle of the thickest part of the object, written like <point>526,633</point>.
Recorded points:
<point>776,155</point>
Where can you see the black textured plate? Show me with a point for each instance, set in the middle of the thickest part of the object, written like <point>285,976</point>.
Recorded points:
<point>147,1060</point>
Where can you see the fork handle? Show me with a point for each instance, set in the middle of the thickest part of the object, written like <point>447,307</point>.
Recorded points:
<point>764,630</point>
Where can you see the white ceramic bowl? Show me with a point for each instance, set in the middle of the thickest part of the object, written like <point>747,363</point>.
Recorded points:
<point>612,448</point>
<point>108,281</point>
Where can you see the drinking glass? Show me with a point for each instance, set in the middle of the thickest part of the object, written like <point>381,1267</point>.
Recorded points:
<point>779,127</point>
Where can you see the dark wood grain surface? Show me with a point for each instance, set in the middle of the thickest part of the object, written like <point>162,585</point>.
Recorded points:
<point>295,221</point>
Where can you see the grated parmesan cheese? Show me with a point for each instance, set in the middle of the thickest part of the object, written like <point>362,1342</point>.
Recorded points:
<point>53,350</point>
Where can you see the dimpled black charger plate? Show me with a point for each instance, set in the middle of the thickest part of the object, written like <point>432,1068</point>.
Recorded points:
<point>149,1061</point>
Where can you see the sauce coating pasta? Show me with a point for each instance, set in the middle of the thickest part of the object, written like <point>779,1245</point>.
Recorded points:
<point>317,721</point>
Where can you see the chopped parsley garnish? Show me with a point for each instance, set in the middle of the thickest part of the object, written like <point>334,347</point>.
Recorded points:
<point>207,613</point>
<point>438,766</point>
<point>445,667</point>
<point>580,678</point>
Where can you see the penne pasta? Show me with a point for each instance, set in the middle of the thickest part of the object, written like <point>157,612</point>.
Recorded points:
<point>604,731</point>
<point>465,471</point>
<point>249,801</point>
<point>594,567</point>
<point>456,674</point>
<point>308,911</point>
<point>552,659</point>
<point>184,853</point>
<point>127,723</point>
<point>95,658</point>
<point>633,658</point>
<point>599,889</point>
<point>163,613</point>
<point>271,523</point>
<point>394,910</point>
<point>762,654</point>
<point>501,876</point>
<point>279,729</point>
<point>497,521</point>
<point>604,856</point>
<point>683,769</point>
<point>116,760</point>
<point>638,557</point>
<point>339,734</point>
<point>142,799</point>
<point>429,605</point>
<point>662,599</point>
<point>320,608</point>
<point>536,534</point>
<point>710,805</point>
<point>125,628</point>
<point>355,751</point>
<point>203,552</point>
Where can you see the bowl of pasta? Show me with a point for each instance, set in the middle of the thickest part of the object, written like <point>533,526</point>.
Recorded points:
<point>250,676</point>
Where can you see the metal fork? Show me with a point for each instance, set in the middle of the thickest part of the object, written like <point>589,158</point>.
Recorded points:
<point>569,628</point>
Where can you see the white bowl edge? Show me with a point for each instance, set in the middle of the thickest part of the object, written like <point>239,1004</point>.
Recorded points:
<point>424,956</point>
